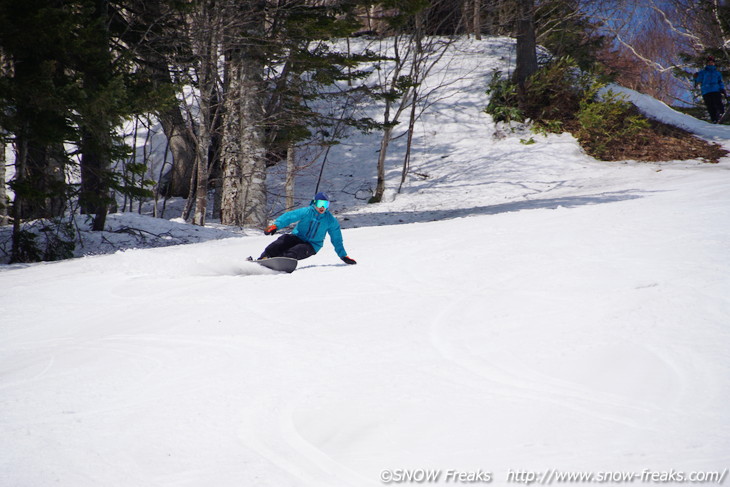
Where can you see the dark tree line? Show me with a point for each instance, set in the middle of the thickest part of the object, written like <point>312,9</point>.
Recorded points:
<point>69,79</point>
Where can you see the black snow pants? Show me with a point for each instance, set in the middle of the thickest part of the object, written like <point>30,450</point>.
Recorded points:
<point>289,245</point>
<point>713,102</point>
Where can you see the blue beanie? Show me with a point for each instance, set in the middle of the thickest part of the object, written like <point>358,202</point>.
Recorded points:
<point>321,196</point>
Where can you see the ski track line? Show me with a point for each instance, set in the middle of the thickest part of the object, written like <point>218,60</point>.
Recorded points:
<point>19,382</point>
<point>273,435</point>
<point>533,386</point>
<point>146,390</point>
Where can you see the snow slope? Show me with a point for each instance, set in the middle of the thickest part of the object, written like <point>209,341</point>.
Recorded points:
<point>523,309</point>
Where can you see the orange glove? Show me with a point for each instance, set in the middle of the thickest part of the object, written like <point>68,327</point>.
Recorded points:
<point>270,230</point>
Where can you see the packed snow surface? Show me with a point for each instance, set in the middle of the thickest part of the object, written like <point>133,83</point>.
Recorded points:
<point>519,311</point>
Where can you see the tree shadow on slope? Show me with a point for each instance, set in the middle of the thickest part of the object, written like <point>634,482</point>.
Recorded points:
<point>369,219</point>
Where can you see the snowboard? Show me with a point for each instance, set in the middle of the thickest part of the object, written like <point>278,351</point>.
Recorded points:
<point>281,264</point>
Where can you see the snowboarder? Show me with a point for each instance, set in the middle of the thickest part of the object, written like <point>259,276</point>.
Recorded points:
<point>713,89</point>
<point>313,223</point>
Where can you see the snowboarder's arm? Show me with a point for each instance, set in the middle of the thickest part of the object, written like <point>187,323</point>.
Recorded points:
<point>290,217</point>
<point>336,238</point>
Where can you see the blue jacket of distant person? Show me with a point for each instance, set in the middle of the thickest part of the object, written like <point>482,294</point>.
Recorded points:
<point>312,227</point>
<point>710,79</point>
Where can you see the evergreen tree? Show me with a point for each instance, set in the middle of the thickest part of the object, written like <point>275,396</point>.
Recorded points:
<point>68,85</point>
<point>36,91</point>
<point>114,86</point>
<point>97,113</point>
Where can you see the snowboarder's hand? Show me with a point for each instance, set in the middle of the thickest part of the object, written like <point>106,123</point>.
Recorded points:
<point>270,230</point>
<point>348,260</point>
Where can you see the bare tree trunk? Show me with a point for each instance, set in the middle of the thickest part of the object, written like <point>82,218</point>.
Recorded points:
<point>182,148</point>
<point>471,17</point>
<point>3,187</point>
<point>416,76</point>
<point>384,142</point>
<point>526,43</point>
<point>156,212</point>
<point>290,173</point>
<point>207,27</point>
<point>132,159</point>
<point>477,19</point>
<point>243,201</point>
<point>422,59</point>
<point>244,156</point>
<point>201,154</point>
<point>3,191</point>
<point>190,200</point>
<point>206,51</point>
<point>96,138</point>
<point>215,171</point>
<point>465,21</point>
<point>21,157</point>
<point>390,87</point>
<point>94,189</point>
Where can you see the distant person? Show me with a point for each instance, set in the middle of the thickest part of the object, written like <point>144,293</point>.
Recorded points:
<point>713,89</point>
<point>313,223</point>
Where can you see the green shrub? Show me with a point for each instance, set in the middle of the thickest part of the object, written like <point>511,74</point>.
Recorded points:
<point>549,97</point>
<point>503,100</point>
<point>554,92</point>
<point>607,121</point>
<point>560,97</point>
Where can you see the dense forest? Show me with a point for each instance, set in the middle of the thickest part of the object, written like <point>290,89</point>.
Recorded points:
<point>238,86</point>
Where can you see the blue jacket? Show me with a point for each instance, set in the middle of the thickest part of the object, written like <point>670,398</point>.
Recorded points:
<point>710,79</point>
<point>313,226</point>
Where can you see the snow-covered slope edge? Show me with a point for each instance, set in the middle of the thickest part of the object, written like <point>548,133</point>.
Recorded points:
<point>659,110</point>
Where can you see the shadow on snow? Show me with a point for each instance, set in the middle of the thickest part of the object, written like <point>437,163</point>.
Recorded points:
<point>368,219</point>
